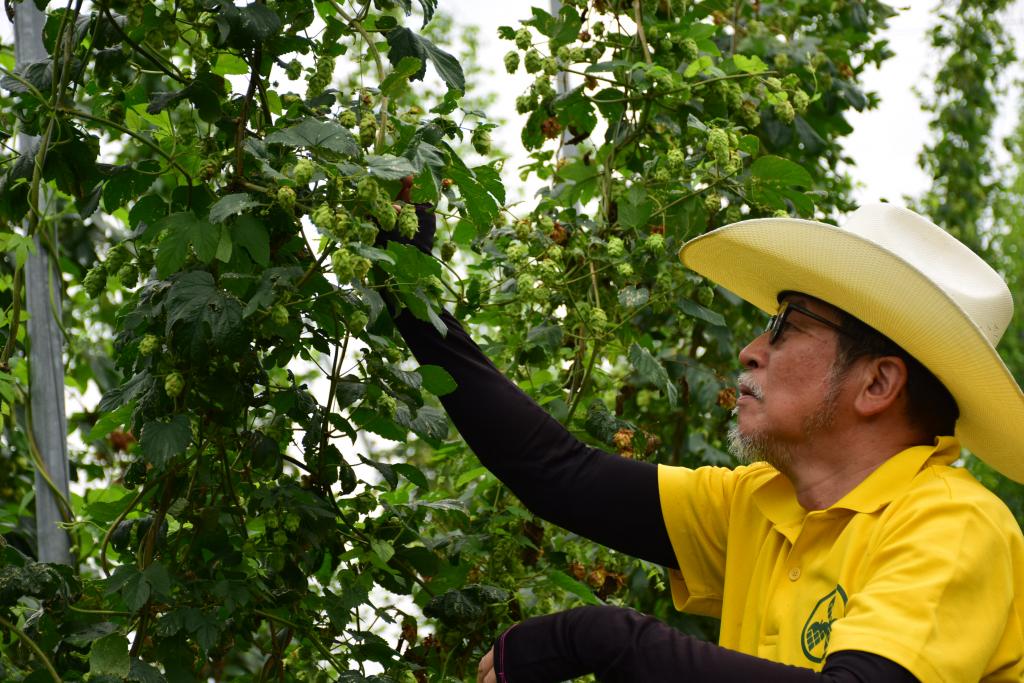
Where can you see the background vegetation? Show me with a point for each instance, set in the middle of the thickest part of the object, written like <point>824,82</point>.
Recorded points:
<point>217,176</point>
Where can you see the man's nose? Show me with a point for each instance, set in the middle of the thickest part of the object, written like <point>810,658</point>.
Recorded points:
<point>752,355</point>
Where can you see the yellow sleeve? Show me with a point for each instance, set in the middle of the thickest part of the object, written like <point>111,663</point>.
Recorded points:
<point>937,590</point>
<point>695,505</point>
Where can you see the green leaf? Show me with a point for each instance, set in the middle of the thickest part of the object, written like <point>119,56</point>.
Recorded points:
<point>700,64</point>
<point>382,549</point>
<point>751,65</point>
<point>773,178</point>
<point>182,230</point>
<point>635,207</point>
<point>162,441</point>
<point>480,204</point>
<point>109,656</point>
<point>204,317</point>
<point>232,204</point>
<point>249,233</point>
<point>571,585</point>
<point>246,27</point>
<point>388,166</point>
<point>429,422</point>
<point>695,310</point>
<point>404,43</point>
<point>652,371</point>
<point>436,380</point>
<point>547,336</point>
<point>633,297</point>
<point>109,422</point>
<point>386,471</point>
<point>316,134</point>
<point>394,81</point>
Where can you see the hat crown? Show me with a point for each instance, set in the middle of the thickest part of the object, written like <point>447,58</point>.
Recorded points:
<point>961,274</point>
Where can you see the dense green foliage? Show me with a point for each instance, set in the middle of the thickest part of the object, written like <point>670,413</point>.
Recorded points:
<point>221,175</point>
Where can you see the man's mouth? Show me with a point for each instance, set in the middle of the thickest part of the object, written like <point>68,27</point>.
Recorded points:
<point>748,387</point>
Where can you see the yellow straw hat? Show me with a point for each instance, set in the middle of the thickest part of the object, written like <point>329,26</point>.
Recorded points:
<point>907,278</point>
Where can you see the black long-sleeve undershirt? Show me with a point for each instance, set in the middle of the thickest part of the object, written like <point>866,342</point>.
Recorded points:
<point>604,497</point>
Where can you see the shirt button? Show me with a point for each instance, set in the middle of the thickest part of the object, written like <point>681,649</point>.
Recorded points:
<point>794,573</point>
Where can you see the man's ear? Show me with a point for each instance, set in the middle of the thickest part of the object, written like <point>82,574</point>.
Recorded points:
<point>882,381</point>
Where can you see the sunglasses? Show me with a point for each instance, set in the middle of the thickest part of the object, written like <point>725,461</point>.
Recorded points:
<point>778,321</point>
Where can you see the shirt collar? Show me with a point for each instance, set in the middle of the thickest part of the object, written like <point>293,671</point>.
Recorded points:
<point>777,499</point>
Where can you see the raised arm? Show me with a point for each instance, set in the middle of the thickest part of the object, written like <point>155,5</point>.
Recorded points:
<point>601,496</point>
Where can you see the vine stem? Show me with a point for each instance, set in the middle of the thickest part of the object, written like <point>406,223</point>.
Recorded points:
<point>375,53</point>
<point>34,647</point>
<point>638,17</point>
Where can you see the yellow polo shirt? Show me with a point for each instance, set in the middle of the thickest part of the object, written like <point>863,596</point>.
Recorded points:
<point>920,564</point>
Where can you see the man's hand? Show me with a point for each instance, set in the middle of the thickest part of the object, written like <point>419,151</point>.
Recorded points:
<point>485,670</point>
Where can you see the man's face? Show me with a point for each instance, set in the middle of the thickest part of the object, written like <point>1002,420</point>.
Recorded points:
<point>789,390</point>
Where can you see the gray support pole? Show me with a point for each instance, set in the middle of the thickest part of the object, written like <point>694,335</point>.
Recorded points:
<point>46,364</point>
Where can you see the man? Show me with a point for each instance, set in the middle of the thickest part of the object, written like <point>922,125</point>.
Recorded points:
<point>853,549</point>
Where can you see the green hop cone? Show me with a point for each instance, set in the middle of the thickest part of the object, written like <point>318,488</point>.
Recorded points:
<point>524,104</point>
<point>387,405</point>
<point>533,62</point>
<point>128,274</point>
<point>801,101</point>
<point>292,521</point>
<point>705,295</point>
<point>347,118</point>
<point>117,256</point>
<point>323,217</point>
<point>384,212</point>
<point>523,39</point>
<point>655,243</point>
<point>95,280</point>
<point>784,111</point>
<point>174,384</point>
<point>280,538</point>
<point>482,140</point>
<point>149,344</point>
<point>712,203</point>
<point>624,269</point>
<point>447,251</point>
<point>616,247</point>
<point>511,61</point>
<point>781,61</point>
<point>718,145</point>
<point>286,198</point>
<point>689,49</point>
<point>357,322</point>
<point>279,314</point>
<point>303,171</point>
<point>367,189</point>
<point>407,222</point>
<point>293,70</point>
<point>550,66</point>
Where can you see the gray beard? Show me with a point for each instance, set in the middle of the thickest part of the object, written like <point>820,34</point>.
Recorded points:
<point>751,448</point>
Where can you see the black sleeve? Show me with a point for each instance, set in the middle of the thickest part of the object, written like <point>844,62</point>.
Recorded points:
<point>620,645</point>
<point>604,497</point>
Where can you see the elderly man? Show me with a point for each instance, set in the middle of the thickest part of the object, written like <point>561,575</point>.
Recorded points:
<point>850,548</point>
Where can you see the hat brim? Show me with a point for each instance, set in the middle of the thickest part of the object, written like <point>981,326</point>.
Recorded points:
<point>760,258</point>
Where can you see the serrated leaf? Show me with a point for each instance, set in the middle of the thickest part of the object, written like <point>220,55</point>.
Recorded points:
<point>382,549</point>
<point>162,441</point>
<point>232,204</point>
<point>386,471</point>
<point>695,310</point>
<point>405,68</point>
<point>436,380</point>
<point>634,297</point>
<point>454,607</point>
<point>480,204</point>
<point>108,422</point>
<point>403,43</point>
<point>571,585</point>
<point>773,179</point>
<point>388,166</point>
<point>751,65</point>
<point>315,134</point>
<point>546,336</point>
<point>208,317</point>
<point>652,371</point>
<point>182,230</point>
<point>109,656</point>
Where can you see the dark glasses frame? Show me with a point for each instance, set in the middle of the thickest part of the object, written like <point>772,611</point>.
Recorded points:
<point>778,321</point>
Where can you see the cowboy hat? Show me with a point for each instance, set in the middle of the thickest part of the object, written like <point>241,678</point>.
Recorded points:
<point>907,278</point>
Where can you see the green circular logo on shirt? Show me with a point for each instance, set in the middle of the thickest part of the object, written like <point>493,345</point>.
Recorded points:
<point>818,629</point>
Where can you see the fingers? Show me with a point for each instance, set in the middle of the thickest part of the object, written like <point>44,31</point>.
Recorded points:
<point>485,670</point>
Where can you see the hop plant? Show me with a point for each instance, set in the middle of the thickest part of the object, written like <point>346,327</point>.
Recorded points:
<point>624,269</point>
<point>95,280</point>
<point>718,145</point>
<point>616,247</point>
<point>286,198</point>
<point>655,243</point>
<point>367,189</point>
<point>149,344</point>
<point>348,118</point>
<point>523,39</point>
<point>801,101</point>
<point>689,49</point>
<point>712,203</point>
<point>407,222</point>
<point>387,405</point>
<point>367,130</point>
<point>117,256</point>
<point>447,251</point>
<point>384,212</point>
<point>348,266</point>
<point>550,66</point>
<point>705,295</point>
<point>174,384</point>
<point>781,61</point>
<point>533,62</point>
<point>482,140</point>
<point>784,111</point>
<point>357,321</point>
<point>511,61</point>
<point>128,275</point>
<point>303,171</point>
<point>293,70</point>
<point>279,315</point>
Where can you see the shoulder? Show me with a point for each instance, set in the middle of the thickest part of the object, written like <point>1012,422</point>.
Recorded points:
<point>726,481</point>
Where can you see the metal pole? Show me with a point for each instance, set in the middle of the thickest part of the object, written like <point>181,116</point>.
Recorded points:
<point>46,364</point>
